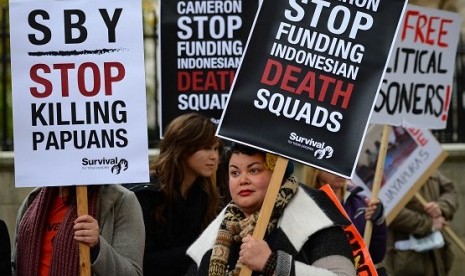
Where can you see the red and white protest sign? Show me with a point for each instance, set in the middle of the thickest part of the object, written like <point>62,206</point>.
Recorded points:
<point>417,87</point>
<point>79,97</point>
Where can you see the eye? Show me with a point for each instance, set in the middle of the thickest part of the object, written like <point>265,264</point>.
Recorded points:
<point>214,148</point>
<point>234,173</point>
<point>255,170</point>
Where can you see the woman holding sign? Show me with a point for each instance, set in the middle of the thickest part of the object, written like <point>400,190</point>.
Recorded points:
<point>48,231</point>
<point>358,208</point>
<point>182,197</point>
<point>416,245</point>
<point>304,235</point>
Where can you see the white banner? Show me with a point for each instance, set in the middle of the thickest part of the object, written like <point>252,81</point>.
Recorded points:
<point>412,156</point>
<point>417,85</point>
<point>79,101</point>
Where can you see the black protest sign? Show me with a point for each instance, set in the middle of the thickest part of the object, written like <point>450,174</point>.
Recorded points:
<point>201,45</point>
<point>307,83</point>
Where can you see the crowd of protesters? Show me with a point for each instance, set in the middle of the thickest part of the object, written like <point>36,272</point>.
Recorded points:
<point>197,215</point>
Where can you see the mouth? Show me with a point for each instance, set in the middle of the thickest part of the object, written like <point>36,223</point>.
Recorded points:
<point>245,192</point>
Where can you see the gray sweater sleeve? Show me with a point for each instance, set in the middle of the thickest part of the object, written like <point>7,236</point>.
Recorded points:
<point>122,239</point>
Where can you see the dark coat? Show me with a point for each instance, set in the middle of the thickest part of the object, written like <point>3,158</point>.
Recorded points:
<point>309,229</point>
<point>5,250</point>
<point>354,204</point>
<point>166,243</point>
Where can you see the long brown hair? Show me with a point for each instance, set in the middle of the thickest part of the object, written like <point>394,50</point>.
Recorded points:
<point>184,136</point>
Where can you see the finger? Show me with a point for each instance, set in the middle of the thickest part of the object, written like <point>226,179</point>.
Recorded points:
<point>374,202</point>
<point>247,238</point>
<point>84,218</point>
<point>82,233</point>
<point>85,226</point>
<point>81,226</point>
<point>244,246</point>
<point>91,241</point>
<point>93,233</point>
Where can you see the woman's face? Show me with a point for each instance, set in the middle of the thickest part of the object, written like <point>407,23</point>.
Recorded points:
<point>335,181</point>
<point>248,181</point>
<point>203,162</point>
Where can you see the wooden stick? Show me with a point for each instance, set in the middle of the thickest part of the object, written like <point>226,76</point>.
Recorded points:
<point>84,249</point>
<point>268,204</point>
<point>377,179</point>
<point>446,228</point>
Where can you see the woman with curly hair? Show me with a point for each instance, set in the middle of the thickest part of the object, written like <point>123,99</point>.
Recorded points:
<point>305,234</point>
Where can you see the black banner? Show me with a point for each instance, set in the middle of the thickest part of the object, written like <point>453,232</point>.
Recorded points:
<point>201,45</point>
<point>308,80</point>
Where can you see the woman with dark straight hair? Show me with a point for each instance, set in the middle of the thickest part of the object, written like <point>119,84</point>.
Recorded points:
<point>182,197</point>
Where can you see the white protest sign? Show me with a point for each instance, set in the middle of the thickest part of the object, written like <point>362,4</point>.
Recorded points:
<point>412,155</point>
<point>417,85</point>
<point>79,101</point>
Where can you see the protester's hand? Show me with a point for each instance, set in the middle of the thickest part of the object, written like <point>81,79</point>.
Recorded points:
<point>432,209</point>
<point>372,205</point>
<point>439,223</point>
<point>86,230</point>
<point>254,253</point>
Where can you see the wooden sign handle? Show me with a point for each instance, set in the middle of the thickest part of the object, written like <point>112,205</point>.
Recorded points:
<point>84,249</point>
<point>377,179</point>
<point>446,228</point>
<point>268,204</point>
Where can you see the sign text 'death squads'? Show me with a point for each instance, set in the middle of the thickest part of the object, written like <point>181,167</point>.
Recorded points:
<point>307,83</point>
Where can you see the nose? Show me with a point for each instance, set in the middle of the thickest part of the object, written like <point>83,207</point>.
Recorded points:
<point>214,154</point>
<point>243,179</point>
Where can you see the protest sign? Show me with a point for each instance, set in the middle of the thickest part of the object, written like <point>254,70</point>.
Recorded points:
<point>201,45</point>
<point>79,96</point>
<point>308,79</point>
<point>416,89</point>
<point>412,156</point>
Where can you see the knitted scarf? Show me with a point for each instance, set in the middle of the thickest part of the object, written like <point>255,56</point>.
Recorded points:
<point>235,226</point>
<point>65,254</point>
